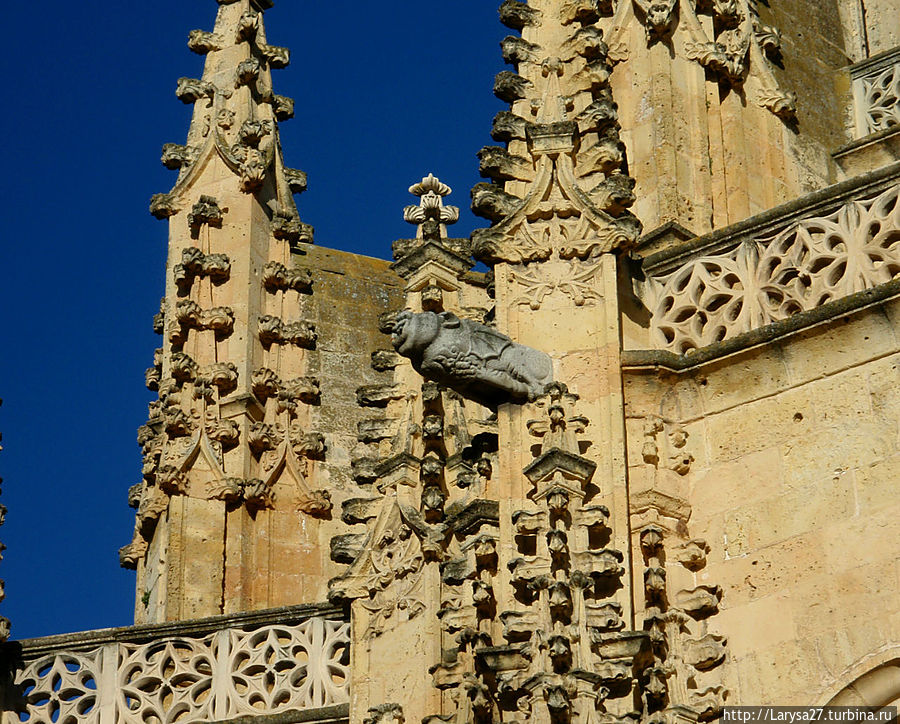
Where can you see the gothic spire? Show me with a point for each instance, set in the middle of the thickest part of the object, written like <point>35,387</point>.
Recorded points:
<point>232,419</point>
<point>236,114</point>
<point>560,187</point>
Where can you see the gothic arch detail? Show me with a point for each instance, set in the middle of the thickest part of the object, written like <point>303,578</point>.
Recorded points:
<point>878,686</point>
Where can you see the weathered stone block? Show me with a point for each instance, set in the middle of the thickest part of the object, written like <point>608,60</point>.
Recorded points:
<point>758,373</point>
<point>797,511</point>
<point>841,344</point>
<point>759,425</point>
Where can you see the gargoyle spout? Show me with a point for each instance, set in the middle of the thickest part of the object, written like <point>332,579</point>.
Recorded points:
<point>478,362</point>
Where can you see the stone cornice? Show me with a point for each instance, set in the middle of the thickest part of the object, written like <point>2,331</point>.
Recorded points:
<point>337,714</point>
<point>431,251</point>
<point>474,514</point>
<point>875,63</point>
<point>84,640</point>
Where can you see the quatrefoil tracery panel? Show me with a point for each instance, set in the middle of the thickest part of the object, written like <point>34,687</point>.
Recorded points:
<point>166,682</point>
<point>278,668</point>
<point>222,675</point>
<point>879,98</point>
<point>61,689</point>
<point>762,281</point>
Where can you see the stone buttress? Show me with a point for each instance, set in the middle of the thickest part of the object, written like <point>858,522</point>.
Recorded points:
<point>227,511</point>
<point>498,547</point>
<point>424,459</point>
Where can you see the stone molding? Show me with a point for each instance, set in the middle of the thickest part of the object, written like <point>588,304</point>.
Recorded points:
<point>872,681</point>
<point>876,150</point>
<point>635,359</point>
<point>817,203</point>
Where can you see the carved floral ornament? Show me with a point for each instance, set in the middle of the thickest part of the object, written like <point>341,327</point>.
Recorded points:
<point>249,149</point>
<point>812,262</point>
<point>740,45</point>
<point>575,280</point>
<point>282,445</point>
<point>187,431</point>
<point>682,650</point>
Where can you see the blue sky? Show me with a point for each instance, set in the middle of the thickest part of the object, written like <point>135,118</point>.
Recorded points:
<point>385,92</point>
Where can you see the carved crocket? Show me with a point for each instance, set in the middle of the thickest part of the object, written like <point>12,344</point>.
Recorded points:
<point>471,358</point>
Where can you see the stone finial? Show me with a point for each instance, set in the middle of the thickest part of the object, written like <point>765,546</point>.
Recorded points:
<point>236,116</point>
<point>560,185</point>
<point>560,429</point>
<point>559,469</point>
<point>431,216</point>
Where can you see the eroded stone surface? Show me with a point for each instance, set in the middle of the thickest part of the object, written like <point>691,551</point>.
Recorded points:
<point>533,502</point>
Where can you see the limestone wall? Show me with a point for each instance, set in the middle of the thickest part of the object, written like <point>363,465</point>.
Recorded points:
<point>289,558</point>
<point>351,292</point>
<point>882,26</point>
<point>708,149</point>
<point>790,468</point>
<point>870,27</point>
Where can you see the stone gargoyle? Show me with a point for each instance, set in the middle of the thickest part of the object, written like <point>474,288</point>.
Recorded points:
<point>471,358</point>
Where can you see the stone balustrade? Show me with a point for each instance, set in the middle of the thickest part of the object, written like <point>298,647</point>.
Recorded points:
<point>825,247</point>
<point>291,662</point>
<point>876,93</point>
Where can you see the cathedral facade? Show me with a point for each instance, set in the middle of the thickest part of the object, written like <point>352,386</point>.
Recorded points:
<point>626,455</point>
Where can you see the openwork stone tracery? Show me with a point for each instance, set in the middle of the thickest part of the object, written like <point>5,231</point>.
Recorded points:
<point>226,674</point>
<point>760,281</point>
<point>877,97</point>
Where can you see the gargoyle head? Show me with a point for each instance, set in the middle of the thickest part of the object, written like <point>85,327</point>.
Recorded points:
<point>659,14</point>
<point>413,333</point>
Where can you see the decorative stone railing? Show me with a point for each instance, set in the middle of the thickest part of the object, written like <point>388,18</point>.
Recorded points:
<point>876,92</point>
<point>832,244</point>
<point>286,661</point>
